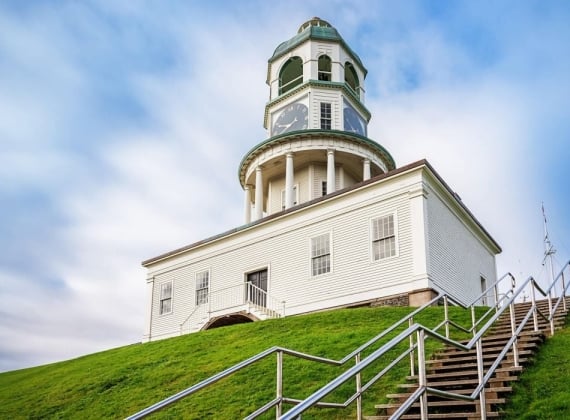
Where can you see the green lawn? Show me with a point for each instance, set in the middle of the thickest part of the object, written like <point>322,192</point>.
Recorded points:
<point>119,382</point>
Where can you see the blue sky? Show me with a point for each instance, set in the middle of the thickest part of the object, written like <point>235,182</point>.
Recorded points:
<point>122,125</point>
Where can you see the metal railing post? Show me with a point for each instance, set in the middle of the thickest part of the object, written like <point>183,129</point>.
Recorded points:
<point>358,390</point>
<point>422,381</point>
<point>481,375</point>
<point>513,329</point>
<point>550,314</point>
<point>534,314</point>
<point>279,380</point>
<point>496,290</point>
<point>563,292</point>
<point>473,320</point>
<point>446,312</point>
<point>412,355</point>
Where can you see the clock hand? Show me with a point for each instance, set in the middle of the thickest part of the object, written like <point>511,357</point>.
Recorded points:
<point>288,125</point>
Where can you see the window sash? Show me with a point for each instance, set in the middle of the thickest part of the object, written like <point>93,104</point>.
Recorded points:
<point>326,116</point>
<point>165,298</point>
<point>202,287</point>
<point>383,237</point>
<point>320,254</point>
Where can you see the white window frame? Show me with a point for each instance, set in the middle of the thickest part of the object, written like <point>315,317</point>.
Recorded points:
<point>166,295</point>
<point>483,286</point>
<point>387,236</point>
<point>199,298</point>
<point>324,117</point>
<point>313,258</point>
<point>295,196</point>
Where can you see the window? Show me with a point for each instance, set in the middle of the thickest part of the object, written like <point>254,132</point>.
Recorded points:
<point>325,68</point>
<point>351,78</point>
<point>295,197</point>
<point>321,254</point>
<point>326,116</point>
<point>165,298</point>
<point>291,74</point>
<point>323,188</point>
<point>202,285</point>
<point>383,237</point>
<point>483,288</point>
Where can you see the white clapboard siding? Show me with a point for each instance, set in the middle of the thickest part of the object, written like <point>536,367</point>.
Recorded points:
<point>282,245</point>
<point>457,256</point>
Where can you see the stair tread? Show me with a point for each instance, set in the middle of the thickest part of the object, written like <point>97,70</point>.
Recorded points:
<point>498,389</point>
<point>438,416</point>
<point>446,403</point>
<point>464,373</point>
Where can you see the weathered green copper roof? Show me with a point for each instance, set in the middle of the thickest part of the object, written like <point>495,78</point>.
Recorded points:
<point>315,28</point>
<point>357,138</point>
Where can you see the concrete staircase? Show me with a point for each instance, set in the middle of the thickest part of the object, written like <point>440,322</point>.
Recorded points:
<point>454,370</point>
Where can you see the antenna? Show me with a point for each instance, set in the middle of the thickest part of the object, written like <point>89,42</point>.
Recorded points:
<point>549,250</point>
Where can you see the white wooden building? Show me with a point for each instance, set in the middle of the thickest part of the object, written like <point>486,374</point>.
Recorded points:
<point>329,219</point>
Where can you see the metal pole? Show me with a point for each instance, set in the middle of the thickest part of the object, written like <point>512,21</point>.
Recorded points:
<point>496,290</point>
<point>446,311</point>
<point>513,329</point>
<point>534,314</point>
<point>358,390</point>
<point>473,320</point>
<point>422,381</point>
<point>412,356</point>
<point>563,292</point>
<point>550,314</point>
<point>481,375</point>
<point>279,380</point>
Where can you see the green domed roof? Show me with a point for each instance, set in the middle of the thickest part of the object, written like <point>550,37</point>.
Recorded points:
<point>319,29</point>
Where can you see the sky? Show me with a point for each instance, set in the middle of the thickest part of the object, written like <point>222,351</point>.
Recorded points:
<point>122,124</point>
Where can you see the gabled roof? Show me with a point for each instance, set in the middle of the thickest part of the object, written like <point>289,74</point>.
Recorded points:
<point>454,196</point>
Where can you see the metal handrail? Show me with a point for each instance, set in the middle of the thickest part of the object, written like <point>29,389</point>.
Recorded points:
<point>421,331</point>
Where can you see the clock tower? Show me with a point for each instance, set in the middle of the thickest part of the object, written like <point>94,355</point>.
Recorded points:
<point>317,123</point>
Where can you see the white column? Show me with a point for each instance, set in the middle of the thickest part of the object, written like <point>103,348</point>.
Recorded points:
<point>330,172</point>
<point>365,169</point>
<point>247,203</point>
<point>289,176</point>
<point>258,193</point>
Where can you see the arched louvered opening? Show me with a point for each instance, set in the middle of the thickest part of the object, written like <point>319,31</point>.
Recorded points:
<point>291,74</point>
<point>325,68</point>
<point>351,78</point>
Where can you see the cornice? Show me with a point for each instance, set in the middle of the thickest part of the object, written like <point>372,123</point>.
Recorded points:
<point>305,134</point>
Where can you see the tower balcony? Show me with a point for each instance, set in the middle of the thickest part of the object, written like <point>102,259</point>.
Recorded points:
<point>296,167</point>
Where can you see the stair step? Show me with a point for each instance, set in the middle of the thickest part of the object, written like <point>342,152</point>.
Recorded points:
<point>446,403</point>
<point>449,416</point>
<point>464,382</point>
<point>464,373</point>
<point>498,390</point>
<point>468,359</point>
<point>462,366</point>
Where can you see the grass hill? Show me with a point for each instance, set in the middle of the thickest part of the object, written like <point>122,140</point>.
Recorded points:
<point>122,381</point>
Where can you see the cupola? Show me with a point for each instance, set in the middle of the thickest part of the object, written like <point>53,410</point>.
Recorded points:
<point>317,125</point>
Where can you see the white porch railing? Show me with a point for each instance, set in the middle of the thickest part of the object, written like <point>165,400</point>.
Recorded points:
<point>240,297</point>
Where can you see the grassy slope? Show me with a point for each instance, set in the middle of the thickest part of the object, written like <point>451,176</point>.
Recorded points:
<point>543,391</point>
<point>119,382</point>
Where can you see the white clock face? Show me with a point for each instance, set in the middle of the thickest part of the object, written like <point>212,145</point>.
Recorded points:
<point>353,122</point>
<point>294,117</point>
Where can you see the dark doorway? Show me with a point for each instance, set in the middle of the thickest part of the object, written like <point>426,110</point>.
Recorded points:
<point>256,288</point>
